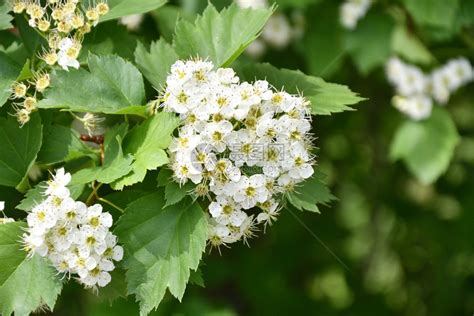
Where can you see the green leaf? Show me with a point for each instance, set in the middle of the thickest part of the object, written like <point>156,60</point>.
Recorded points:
<point>25,72</point>
<point>161,246</point>
<point>426,147</point>
<point>323,42</point>
<point>325,98</point>
<point>26,284</point>
<point>112,85</point>
<point>466,13</point>
<point>164,177</point>
<point>9,71</point>
<point>108,39</point>
<point>370,43</point>
<point>408,46</point>
<point>116,164</point>
<point>439,13</point>
<point>116,288</point>
<point>119,8</point>
<point>19,148</point>
<point>5,18</point>
<point>61,143</point>
<point>175,193</point>
<point>147,143</point>
<point>155,64</point>
<point>313,191</point>
<point>30,38</point>
<point>220,36</point>
<point>167,17</point>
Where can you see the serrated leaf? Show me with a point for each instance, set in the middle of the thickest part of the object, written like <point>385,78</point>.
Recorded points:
<point>310,193</point>
<point>325,98</point>
<point>161,246</point>
<point>426,147</point>
<point>111,85</point>
<point>220,36</point>
<point>155,64</point>
<point>5,18</point>
<point>175,193</point>
<point>19,148</point>
<point>120,8</point>
<point>25,283</point>
<point>147,143</point>
<point>370,43</point>
<point>116,164</point>
<point>9,71</point>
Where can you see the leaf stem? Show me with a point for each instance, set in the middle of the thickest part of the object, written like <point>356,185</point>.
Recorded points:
<point>111,204</point>
<point>93,193</point>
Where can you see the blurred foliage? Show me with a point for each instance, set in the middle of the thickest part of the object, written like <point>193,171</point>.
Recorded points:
<point>406,248</point>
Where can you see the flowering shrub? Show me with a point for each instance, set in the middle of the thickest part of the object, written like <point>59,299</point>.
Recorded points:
<point>226,147</point>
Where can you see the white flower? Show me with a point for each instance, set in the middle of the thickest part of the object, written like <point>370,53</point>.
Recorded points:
<point>96,219</point>
<point>226,211</point>
<point>216,134</point>
<point>270,212</point>
<point>81,264</point>
<point>416,107</point>
<point>298,163</point>
<point>132,22</point>
<point>42,218</point>
<point>2,206</point>
<point>91,240</point>
<point>251,190</point>
<point>254,4</point>
<point>68,52</point>
<point>352,11</point>
<point>57,186</point>
<point>277,32</point>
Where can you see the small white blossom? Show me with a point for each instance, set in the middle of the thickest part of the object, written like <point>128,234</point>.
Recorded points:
<point>352,11</point>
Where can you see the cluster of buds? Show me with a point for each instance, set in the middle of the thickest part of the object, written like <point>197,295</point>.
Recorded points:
<point>63,23</point>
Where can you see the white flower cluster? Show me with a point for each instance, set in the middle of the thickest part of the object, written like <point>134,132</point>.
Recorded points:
<point>242,144</point>
<point>64,23</point>
<point>415,90</point>
<point>74,237</point>
<point>278,32</point>
<point>352,11</point>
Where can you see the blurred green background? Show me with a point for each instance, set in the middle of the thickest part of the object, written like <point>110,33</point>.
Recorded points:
<point>403,248</point>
